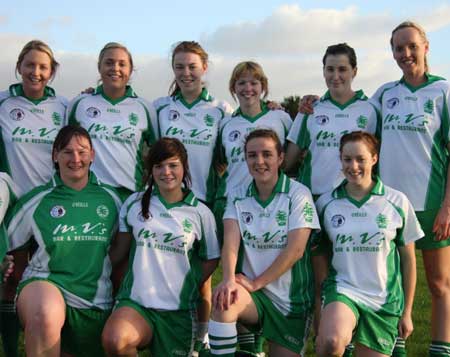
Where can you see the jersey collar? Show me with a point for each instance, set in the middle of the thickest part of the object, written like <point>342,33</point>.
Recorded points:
<point>189,199</point>
<point>16,90</point>
<point>282,186</point>
<point>57,181</point>
<point>341,192</point>
<point>129,93</point>
<point>359,95</point>
<point>430,79</point>
<point>204,95</point>
<point>264,111</point>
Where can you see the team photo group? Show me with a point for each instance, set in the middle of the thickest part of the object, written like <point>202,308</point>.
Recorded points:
<point>186,226</point>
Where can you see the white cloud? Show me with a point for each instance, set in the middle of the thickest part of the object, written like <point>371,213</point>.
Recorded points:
<point>54,21</point>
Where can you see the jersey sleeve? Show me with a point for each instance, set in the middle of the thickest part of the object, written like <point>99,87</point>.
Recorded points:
<point>19,223</point>
<point>445,115</point>
<point>225,107</point>
<point>294,131</point>
<point>4,199</point>
<point>209,245</point>
<point>411,230</point>
<point>287,122</point>
<point>302,212</point>
<point>230,209</point>
<point>124,226</point>
<point>71,118</point>
<point>151,133</point>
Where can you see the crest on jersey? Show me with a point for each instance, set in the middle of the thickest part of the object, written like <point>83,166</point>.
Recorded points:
<point>392,103</point>
<point>187,226</point>
<point>381,221</point>
<point>174,115</point>
<point>56,118</point>
<point>247,217</point>
<point>93,112</point>
<point>281,218</point>
<point>234,135</point>
<point>133,119</point>
<point>428,107</point>
<point>361,122</point>
<point>17,114</point>
<point>102,211</point>
<point>322,119</point>
<point>337,220</point>
<point>57,211</point>
<point>209,120</point>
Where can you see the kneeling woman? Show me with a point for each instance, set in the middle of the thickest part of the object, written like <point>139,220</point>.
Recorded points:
<point>174,249</point>
<point>267,225</point>
<point>65,297</point>
<point>370,231</point>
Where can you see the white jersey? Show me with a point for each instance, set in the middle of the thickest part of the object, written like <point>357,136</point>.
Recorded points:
<point>233,132</point>
<point>196,125</point>
<point>27,131</point>
<point>320,134</point>
<point>167,251</point>
<point>414,137</point>
<point>118,129</point>
<point>264,228</point>
<point>73,230</point>
<point>365,235</point>
<point>7,198</point>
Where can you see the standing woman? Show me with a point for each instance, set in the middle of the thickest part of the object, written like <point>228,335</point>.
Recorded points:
<point>267,279</point>
<point>370,230</point>
<point>192,115</point>
<point>416,125</point>
<point>31,115</point>
<point>173,250</point>
<point>65,294</point>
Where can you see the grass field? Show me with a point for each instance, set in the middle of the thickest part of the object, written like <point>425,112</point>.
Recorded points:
<point>417,344</point>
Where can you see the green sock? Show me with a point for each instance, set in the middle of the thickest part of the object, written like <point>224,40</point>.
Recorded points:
<point>246,341</point>
<point>9,328</point>
<point>348,350</point>
<point>439,349</point>
<point>399,348</point>
<point>259,343</point>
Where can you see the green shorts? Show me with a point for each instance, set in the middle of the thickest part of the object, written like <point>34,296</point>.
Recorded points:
<point>426,220</point>
<point>289,331</point>
<point>374,329</point>
<point>81,334</point>
<point>173,331</point>
<point>219,210</point>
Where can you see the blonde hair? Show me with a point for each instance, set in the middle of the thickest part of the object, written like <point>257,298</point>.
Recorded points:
<point>187,47</point>
<point>114,45</point>
<point>252,68</point>
<point>420,30</point>
<point>38,46</point>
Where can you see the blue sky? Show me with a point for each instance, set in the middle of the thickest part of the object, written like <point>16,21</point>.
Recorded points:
<point>287,37</point>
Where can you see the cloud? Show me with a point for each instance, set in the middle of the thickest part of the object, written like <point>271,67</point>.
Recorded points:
<point>54,21</point>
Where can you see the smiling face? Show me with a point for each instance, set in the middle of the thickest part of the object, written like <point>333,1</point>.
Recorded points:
<point>168,176</point>
<point>339,74</point>
<point>115,70</point>
<point>357,163</point>
<point>248,90</point>
<point>409,49</point>
<point>189,70</point>
<point>36,71</point>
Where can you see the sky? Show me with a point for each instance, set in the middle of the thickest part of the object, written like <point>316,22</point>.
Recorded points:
<point>288,38</point>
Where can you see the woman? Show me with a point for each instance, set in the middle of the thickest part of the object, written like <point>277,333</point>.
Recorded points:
<point>31,115</point>
<point>416,124</point>
<point>118,121</point>
<point>65,295</point>
<point>370,230</point>
<point>7,198</point>
<point>173,250</point>
<point>267,226</point>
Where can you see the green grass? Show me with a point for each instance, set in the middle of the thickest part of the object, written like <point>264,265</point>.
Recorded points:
<point>417,344</point>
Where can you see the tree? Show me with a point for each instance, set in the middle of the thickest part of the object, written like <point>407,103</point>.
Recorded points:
<point>290,104</point>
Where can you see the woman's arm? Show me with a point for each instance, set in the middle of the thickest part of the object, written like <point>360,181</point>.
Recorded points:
<point>441,226</point>
<point>120,247</point>
<point>294,158</point>
<point>408,266</point>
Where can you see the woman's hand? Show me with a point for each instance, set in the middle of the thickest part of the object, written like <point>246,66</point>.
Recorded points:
<point>225,295</point>
<point>306,104</point>
<point>7,267</point>
<point>405,326</point>
<point>441,226</point>
<point>248,284</point>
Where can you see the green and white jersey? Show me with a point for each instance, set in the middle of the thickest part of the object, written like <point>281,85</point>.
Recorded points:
<point>7,199</point>
<point>320,134</point>
<point>167,251</point>
<point>118,129</point>
<point>27,131</point>
<point>233,132</point>
<point>196,125</point>
<point>365,236</point>
<point>264,228</point>
<point>73,231</point>
<point>414,137</point>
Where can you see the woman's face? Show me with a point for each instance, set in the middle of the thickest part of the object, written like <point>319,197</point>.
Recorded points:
<point>357,162</point>
<point>263,160</point>
<point>115,69</point>
<point>168,175</point>
<point>248,90</point>
<point>189,70</point>
<point>74,160</point>
<point>36,71</point>
<point>409,50</point>
<point>338,74</point>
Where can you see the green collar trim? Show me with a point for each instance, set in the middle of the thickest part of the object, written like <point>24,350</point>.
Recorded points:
<point>16,90</point>
<point>57,181</point>
<point>129,93</point>
<point>204,95</point>
<point>188,199</point>
<point>282,186</point>
<point>359,95</point>
<point>341,192</point>
<point>430,79</point>
<point>264,111</point>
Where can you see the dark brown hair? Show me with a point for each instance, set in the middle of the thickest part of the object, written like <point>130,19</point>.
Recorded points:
<point>264,133</point>
<point>341,49</point>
